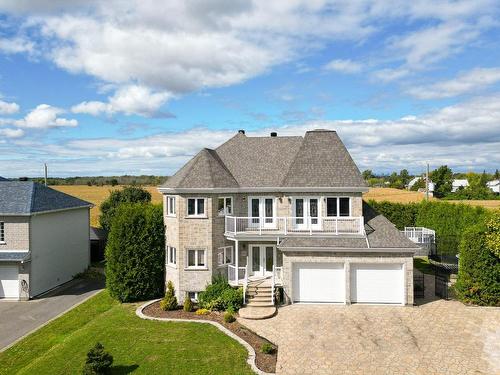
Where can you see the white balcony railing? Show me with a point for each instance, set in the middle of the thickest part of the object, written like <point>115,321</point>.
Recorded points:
<point>293,225</point>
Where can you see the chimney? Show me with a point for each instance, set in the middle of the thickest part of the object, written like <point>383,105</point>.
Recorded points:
<point>274,134</point>
<point>241,131</point>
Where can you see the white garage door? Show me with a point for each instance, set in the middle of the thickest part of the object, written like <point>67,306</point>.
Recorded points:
<point>377,283</point>
<point>319,282</point>
<point>9,284</point>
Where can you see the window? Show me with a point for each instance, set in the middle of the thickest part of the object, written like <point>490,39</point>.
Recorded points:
<point>2,232</point>
<point>225,206</point>
<point>225,255</point>
<point>196,207</point>
<point>170,206</point>
<point>196,259</point>
<point>171,255</point>
<point>338,206</point>
<point>193,296</point>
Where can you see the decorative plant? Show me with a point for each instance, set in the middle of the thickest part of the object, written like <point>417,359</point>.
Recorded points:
<point>188,304</point>
<point>169,302</point>
<point>229,317</point>
<point>98,361</point>
<point>267,348</point>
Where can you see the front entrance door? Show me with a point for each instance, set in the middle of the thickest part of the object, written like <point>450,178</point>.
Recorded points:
<point>262,260</point>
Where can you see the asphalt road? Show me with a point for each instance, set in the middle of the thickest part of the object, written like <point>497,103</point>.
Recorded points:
<point>19,318</point>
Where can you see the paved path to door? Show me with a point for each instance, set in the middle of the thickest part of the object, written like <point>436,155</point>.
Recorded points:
<point>440,337</point>
<point>19,318</point>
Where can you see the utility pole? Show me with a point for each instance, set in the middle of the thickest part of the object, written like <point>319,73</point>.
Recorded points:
<point>427,183</point>
<point>45,168</point>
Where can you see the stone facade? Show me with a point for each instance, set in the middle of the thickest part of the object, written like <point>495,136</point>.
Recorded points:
<point>290,258</point>
<point>17,233</point>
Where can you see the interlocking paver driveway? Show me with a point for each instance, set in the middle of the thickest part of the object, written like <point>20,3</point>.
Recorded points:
<point>440,337</point>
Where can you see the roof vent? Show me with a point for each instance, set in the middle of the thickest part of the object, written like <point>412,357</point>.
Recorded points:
<point>274,134</point>
<point>241,131</point>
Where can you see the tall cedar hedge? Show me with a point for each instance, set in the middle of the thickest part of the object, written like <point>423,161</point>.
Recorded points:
<point>135,253</point>
<point>479,269</point>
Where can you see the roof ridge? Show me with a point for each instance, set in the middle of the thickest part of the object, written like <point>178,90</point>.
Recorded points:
<point>193,162</point>
<point>293,161</point>
<point>32,200</point>
<point>217,158</point>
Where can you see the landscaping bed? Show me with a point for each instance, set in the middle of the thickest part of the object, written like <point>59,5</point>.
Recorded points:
<point>265,362</point>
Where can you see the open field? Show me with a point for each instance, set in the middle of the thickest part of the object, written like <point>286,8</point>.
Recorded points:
<point>97,194</point>
<point>405,196</point>
<point>137,345</point>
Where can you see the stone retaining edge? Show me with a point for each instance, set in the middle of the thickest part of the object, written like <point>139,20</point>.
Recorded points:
<point>251,351</point>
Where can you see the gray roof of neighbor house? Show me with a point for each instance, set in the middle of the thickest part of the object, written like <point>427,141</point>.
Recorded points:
<point>27,197</point>
<point>319,159</point>
<point>380,234</point>
<point>3,179</point>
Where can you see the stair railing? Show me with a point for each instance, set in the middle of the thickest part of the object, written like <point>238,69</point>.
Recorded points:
<point>272,286</point>
<point>245,282</point>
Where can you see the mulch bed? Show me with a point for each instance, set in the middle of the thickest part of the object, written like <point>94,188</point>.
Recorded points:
<point>265,362</point>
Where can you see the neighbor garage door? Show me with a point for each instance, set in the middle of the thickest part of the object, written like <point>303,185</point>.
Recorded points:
<point>9,285</point>
<point>319,282</point>
<point>377,283</point>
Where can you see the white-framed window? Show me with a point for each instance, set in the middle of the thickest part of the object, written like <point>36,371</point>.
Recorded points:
<point>170,205</point>
<point>196,207</point>
<point>171,255</point>
<point>2,232</point>
<point>225,255</point>
<point>338,206</point>
<point>225,206</point>
<point>196,258</point>
<point>193,296</point>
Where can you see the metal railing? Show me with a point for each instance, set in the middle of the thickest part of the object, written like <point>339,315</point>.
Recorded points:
<point>420,235</point>
<point>278,275</point>
<point>235,225</point>
<point>235,275</point>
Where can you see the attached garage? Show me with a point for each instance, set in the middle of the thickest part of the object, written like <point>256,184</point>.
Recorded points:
<point>319,282</point>
<point>9,281</point>
<point>377,283</point>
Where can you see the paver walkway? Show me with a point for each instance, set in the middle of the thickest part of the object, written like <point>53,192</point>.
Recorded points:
<point>440,337</point>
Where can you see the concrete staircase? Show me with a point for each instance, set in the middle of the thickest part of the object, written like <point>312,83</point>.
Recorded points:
<point>259,303</point>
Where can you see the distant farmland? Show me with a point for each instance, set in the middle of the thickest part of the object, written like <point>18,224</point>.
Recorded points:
<point>97,194</point>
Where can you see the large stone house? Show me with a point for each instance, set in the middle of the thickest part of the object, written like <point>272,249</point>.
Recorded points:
<point>44,238</point>
<point>286,212</point>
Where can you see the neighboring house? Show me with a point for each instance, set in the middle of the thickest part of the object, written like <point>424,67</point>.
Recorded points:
<point>458,183</point>
<point>98,239</point>
<point>414,180</point>
<point>44,238</point>
<point>3,179</point>
<point>288,209</point>
<point>494,185</point>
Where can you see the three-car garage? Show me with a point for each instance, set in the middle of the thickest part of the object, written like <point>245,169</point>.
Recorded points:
<point>344,282</point>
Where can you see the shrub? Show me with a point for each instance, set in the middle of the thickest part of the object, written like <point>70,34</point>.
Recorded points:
<point>98,361</point>
<point>169,302</point>
<point>129,194</point>
<point>202,312</point>
<point>135,253</point>
<point>493,234</point>
<point>400,214</point>
<point>479,269</point>
<point>267,348</point>
<point>188,304</point>
<point>220,296</point>
<point>229,317</point>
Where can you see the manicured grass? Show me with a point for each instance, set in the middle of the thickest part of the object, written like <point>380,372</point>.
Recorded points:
<point>422,264</point>
<point>137,345</point>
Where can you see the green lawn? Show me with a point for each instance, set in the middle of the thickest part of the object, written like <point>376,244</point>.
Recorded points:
<point>422,264</point>
<point>138,346</point>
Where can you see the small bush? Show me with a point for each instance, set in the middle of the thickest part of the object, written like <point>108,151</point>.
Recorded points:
<point>188,304</point>
<point>229,317</point>
<point>267,348</point>
<point>220,296</point>
<point>169,302</point>
<point>202,312</point>
<point>98,361</point>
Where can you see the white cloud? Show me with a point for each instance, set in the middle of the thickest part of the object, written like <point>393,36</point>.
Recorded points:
<point>464,83</point>
<point>344,66</point>
<point>465,135</point>
<point>390,74</point>
<point>8,108</point>
<point>130,100</point>
<point>45,116</point>
<point>11,133</point>
<point>16,45</point>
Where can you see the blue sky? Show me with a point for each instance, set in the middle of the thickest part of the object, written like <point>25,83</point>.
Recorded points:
<point>134,87</point>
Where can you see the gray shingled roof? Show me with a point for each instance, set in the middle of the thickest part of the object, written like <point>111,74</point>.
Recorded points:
<point>14,256</point>
<point>319,159</point>
<point>3,179</point>
<point>381,234</point>
<point>27,197</point>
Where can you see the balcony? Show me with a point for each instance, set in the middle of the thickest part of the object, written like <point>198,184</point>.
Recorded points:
<point>285,226</point>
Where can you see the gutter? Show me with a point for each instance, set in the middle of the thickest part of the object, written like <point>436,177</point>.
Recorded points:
<point>166,190</point>
<point>47,211</point>
<point>350,249</point>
